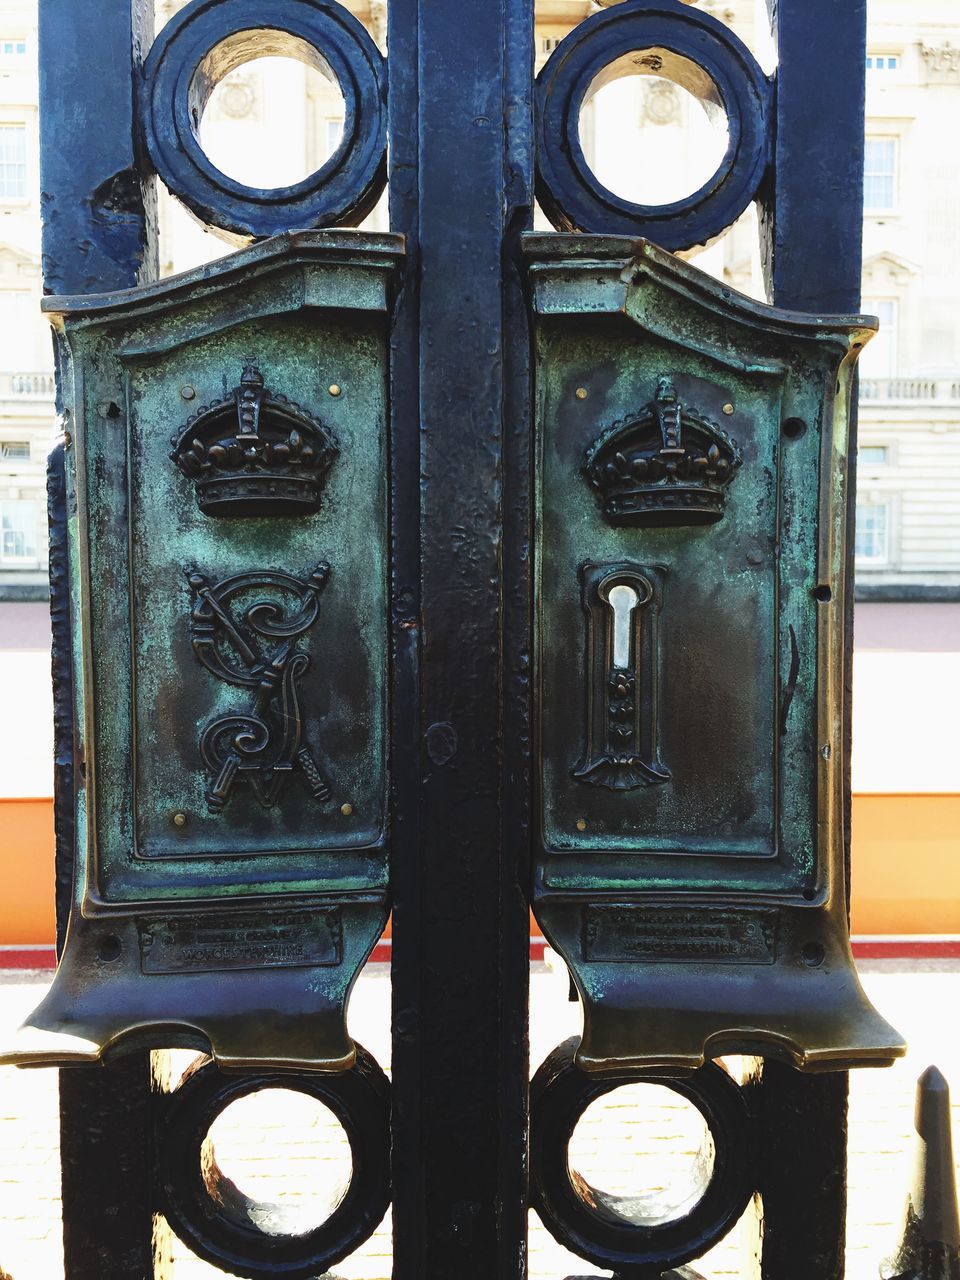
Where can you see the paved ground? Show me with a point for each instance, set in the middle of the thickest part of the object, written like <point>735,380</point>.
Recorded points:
<point>278,1145</point>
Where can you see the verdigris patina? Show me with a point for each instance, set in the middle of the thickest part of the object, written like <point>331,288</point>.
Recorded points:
<point>691,492</point>
<point>231,603</point>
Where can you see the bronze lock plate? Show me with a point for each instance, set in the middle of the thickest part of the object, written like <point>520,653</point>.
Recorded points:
<point>691,495</point>
<point>228,479</point>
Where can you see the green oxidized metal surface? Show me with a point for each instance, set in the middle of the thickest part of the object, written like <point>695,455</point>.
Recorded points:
<point>690,461</point>
<point>230,581</point>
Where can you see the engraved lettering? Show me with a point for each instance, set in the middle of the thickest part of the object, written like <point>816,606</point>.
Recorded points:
<point>176,945</point>
<point>624,934</point>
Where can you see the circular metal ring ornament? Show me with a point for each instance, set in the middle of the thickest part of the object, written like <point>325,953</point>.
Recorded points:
<point>223,1226</point>
<point>586,1220</point>
<point>569,192</point>
<point>208,39</point>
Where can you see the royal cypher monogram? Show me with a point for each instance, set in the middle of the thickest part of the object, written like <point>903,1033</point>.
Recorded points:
<point>249,639</point>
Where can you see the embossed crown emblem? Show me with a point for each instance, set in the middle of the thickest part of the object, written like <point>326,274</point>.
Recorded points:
<point>668,465</point>
<point>255,453</point>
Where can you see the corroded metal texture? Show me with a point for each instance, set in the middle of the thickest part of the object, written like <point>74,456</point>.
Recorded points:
<point>460,190</point>
<point>263,1240</point>
<point>99,209</point>
<point>676,42</point>
<point>461,158</point>
<point>698,893</point>
<point>231,698</point>
<point>205,41</point>
<point>638,1237</point>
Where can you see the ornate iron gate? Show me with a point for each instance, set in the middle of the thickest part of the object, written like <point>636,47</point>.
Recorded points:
<point>470,136</point>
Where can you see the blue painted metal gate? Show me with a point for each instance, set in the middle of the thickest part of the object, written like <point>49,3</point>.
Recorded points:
<point>470,137</point>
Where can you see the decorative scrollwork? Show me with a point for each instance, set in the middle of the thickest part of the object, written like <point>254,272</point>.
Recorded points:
<point>943,58</point>
<point>263,745</point>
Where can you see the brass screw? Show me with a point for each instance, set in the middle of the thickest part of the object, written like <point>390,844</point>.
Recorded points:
<point>179,819</point>
<point>188,392</point>
<point>581,393</point>
<point>728,408</point>
<point>346,810</point>
<point>581,824</point>
<point>334,389</point>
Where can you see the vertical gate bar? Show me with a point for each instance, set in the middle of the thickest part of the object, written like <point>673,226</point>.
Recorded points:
<point>813,224</point>
<point>518,524</point>
<point>99,212</point>
<point>99,233</point>
<point>812,249</point>
<point>461,939</point>
<point>407,1157</point>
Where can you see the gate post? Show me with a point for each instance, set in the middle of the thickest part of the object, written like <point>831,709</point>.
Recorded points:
<point>99,233</point>
<point>811,231</point>
<point>461,166</point>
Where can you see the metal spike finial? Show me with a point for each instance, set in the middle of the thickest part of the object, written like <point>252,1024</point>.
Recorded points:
<point>930,1244</point>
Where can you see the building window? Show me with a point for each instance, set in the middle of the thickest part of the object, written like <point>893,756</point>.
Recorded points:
<point>13,161</point>
<point>18,533</point>
<point>883,62</point>
<point>873,455</point>
<point>879,174</point>
<point>15,450</point>
<point>879,359</point>
<point>334,135</point>
<point>13,48</point>
<point>872,544</point>
<point>18,324</point>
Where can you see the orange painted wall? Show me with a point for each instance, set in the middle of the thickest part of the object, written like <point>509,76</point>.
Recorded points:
<point>906,866</point>
<point>26,863</point>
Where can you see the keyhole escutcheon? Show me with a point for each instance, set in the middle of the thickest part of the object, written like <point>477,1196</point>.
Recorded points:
<point>622,600</point>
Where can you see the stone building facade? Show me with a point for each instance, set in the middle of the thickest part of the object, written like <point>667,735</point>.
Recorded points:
<point>273,121</point>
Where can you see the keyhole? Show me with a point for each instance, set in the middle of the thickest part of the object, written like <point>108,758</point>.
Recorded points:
<point>622,600</point>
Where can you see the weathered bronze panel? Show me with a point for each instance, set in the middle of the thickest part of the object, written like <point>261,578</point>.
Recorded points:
<point>229,563</point>
<point>691,485</point>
